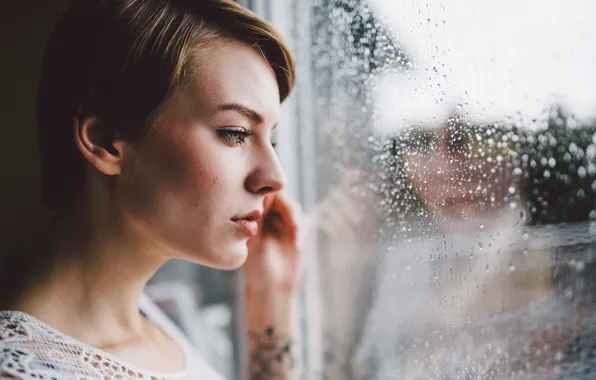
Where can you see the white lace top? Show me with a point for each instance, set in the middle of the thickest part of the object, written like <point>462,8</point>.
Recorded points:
<point>30,349</point>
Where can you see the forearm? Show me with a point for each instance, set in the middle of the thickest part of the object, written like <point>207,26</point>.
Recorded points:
<point>272,335</point>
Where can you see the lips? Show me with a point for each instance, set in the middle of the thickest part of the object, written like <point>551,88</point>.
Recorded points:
<point>248,223</point>
<point>253,215</point>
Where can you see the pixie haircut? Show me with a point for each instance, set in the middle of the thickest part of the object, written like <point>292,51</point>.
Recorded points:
<point>120,60</point>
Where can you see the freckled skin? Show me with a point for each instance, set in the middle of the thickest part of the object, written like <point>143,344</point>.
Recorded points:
<point>182,184</point>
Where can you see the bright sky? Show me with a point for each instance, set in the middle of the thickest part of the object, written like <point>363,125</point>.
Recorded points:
<point>497,58</point>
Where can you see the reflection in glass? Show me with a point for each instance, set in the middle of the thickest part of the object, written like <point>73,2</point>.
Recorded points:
<point>464,247</point>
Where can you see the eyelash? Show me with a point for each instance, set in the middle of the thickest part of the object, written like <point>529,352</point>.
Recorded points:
<point>237,136</point>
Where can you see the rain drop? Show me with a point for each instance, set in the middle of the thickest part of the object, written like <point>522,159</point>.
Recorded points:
<point>581,172</point>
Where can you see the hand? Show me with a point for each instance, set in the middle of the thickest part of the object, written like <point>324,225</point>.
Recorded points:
<point>274,260</point>
<point>347,214</point>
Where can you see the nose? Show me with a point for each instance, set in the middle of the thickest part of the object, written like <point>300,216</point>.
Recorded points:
<point>267,176</point>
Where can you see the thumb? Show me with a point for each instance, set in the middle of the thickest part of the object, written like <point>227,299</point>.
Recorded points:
<point>268,203</point>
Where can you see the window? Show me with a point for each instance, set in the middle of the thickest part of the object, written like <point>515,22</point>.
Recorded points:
<point>448,152</point>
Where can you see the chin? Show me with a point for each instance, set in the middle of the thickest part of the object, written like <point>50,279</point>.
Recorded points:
<point>226,258</point>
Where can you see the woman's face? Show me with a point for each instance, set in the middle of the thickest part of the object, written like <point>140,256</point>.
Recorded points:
<point>208,160</point>
<point>455,186</point>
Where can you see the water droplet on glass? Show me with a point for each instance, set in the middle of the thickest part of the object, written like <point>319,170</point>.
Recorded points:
<point>581,172</point>
<point>591,151</point>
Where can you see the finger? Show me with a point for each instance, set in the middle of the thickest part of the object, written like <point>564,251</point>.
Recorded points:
<point>346,230</point>
<point>270,221</point>
<point>273,224</point>
<point>267,203</point>
<point>332,230</point>
<point>293,222</point>
<point>286,215</point>
<point>322,216</point>
<point>294,214</point>
<point>292,204</point>
<point>348,205</point>
<point>333,225</point>
<point>351,177</point>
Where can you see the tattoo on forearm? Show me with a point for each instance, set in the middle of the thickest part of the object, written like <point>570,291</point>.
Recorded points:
<point>272,356</point>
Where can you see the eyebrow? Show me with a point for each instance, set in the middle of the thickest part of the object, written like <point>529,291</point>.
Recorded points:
<point>248,112</point>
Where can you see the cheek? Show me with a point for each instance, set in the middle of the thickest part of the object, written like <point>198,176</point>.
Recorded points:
<point>166,179</point>
<point>187,165</point>
<point>420,175</point>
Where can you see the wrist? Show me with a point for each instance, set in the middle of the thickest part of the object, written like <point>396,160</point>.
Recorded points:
<point>272,333</point>
<point>268,308</point>
<point>269,294</point>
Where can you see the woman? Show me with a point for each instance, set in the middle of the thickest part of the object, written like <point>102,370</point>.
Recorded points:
<point>487,294</point>
<point>155,120</point>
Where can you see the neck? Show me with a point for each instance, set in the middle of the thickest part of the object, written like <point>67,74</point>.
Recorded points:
<point>101,265</point>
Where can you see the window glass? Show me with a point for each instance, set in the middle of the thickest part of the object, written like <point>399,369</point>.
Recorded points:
<point>455,157</point>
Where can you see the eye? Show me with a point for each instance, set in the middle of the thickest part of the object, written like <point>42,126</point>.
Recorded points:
<point>419,140</point>
<point>234,136</point>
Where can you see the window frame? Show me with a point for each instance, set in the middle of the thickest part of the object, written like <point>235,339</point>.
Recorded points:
<point>296,150</point>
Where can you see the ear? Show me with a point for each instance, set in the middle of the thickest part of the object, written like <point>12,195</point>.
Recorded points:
<point>98,146</point>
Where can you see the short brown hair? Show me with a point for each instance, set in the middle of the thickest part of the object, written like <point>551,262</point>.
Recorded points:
<point>120,60</point>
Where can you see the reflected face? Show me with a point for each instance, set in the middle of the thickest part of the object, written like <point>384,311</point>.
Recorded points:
<point>208,161</point>
<point>455,182</point>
